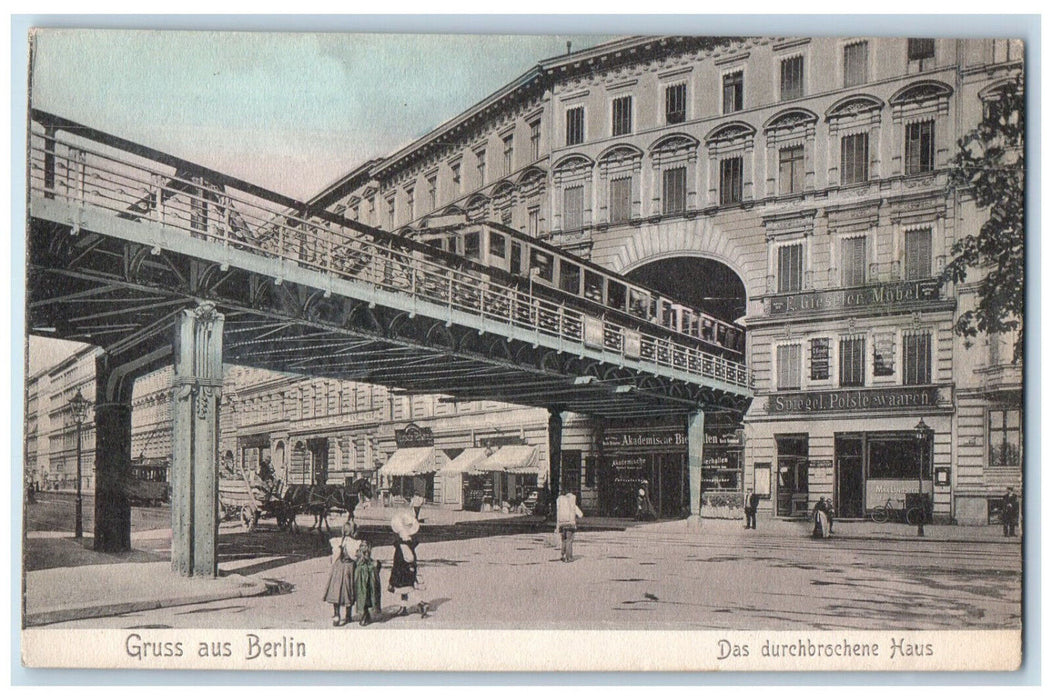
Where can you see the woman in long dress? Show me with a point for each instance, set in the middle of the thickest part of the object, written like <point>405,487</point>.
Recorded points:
<point>366,584</point>
<point>820,515</point>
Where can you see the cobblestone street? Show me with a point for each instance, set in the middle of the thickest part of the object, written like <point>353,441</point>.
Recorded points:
<point>653,576</point>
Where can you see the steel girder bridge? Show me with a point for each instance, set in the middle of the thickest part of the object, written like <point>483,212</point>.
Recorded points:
<point>161,261</point>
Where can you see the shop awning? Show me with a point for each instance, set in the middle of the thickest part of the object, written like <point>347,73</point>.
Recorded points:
<point>466,462</point>
<point>511,458</point>
<point>410,460</point>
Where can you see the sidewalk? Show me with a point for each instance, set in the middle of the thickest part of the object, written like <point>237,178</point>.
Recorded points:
<point>71,581</point>
<point>847,529</point>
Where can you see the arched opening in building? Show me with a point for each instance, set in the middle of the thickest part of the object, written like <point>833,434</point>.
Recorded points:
<point>644,466</point>
<point>703,283</point>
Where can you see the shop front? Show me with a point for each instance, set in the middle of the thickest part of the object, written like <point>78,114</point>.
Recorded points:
<point>654,460</point>
<point>861,449</point>
<point>410,470</point>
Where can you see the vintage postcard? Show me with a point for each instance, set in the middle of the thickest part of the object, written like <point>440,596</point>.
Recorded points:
<point>527,353</point>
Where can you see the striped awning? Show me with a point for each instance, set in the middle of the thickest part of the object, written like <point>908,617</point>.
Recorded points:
<point>511,458</point>
<point>410,460</point>
<point>465,463</point>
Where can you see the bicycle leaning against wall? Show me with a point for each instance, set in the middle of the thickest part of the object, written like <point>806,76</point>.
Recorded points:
<point>911,516</point>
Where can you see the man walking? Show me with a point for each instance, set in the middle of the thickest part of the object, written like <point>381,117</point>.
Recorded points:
<point>1009,512</point>
<point>752,502</point>
<point>566,515</point>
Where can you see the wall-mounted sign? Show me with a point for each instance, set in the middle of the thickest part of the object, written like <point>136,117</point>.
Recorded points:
<point>414,436</point>
<point>942,476</point>
<point>883,399</point>
<point>615,440</point>
<point>877,295</point>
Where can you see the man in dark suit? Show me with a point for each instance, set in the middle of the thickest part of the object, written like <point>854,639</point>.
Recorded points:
<point>752,502</point>
<point>1009,512</point>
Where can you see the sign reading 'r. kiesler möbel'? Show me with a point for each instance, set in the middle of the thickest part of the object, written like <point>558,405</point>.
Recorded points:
<point>853,400</point>
<point>874,295</point>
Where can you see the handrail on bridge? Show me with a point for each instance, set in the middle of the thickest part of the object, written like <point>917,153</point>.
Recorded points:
<point>200,203</point>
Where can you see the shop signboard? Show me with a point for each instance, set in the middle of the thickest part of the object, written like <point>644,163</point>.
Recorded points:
<point>872,296</point>
<point>414,436</point>
<point>890,398</point>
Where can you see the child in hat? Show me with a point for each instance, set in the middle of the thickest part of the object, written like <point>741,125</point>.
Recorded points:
<point>404,569</point>
<point>340,589</point>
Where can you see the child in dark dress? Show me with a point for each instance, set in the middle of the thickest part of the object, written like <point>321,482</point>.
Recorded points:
<point>366,584</point>
<point>404,569</point>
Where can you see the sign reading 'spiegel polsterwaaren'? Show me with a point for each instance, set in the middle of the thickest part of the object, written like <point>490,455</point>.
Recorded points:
<point>853,400</point>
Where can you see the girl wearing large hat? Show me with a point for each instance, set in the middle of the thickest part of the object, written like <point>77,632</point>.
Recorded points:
<point>403,571</point>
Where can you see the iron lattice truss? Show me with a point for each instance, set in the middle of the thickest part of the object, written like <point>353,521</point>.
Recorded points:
<point>124,297</point>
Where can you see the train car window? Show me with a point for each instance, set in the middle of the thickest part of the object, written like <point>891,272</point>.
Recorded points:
<point>516,258</point>
<point>569,277</point>
<point>721,334</point>
<point>667,319</point>
<point>690,323</point>
<point>707,328</point>
<point>497,245</point>
<point>472,245</point>
<point>543,263</point>
<point>638,303</point>
<point>615,295</point>
<point>733,338</point>
<point>434,242</point>
<point>593,286</point>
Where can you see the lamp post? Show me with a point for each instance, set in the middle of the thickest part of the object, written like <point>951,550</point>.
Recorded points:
<point>921,435</point>
<point>79,405</point>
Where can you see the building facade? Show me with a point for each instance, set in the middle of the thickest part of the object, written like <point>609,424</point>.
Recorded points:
<point>815,172</point>
<point>797,185</point>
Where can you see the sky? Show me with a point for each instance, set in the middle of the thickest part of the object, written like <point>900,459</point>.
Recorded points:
<point>290,112</point>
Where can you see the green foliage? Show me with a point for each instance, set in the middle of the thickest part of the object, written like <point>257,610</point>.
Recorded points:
<point>990,166</point>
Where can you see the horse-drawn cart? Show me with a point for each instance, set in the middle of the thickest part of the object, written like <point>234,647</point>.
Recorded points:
<point>239,499</point>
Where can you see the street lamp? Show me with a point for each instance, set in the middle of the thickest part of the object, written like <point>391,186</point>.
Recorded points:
<point>79,405</point>
<point>920,433</point>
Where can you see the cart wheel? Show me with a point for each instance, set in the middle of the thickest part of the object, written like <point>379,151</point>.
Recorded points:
<point>914,516</point>
<point>880,515</point>
<point>248,519</point>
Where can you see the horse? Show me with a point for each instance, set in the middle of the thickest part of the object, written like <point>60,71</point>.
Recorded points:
<point>320,499</point>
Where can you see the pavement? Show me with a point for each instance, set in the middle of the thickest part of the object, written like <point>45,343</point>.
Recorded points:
<point>66,580</point>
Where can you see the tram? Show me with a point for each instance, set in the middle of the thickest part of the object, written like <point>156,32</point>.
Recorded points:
<point>511,256</point>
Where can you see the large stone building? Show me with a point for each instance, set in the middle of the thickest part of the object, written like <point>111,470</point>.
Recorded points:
<point>806,180</point>
<point>797,185</point>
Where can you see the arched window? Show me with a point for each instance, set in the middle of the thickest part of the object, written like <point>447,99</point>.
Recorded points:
<point>730,148</point>
<point>619,173</point>
<point>854,131</point>
<point>790,140</point>
<point>919,108</point>
<point>572,176</point>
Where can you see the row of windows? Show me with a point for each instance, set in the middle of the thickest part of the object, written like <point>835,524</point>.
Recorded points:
<point>854,169</point>
<point>732,89</point>
<point>854,267</point>
<point>851,360</point>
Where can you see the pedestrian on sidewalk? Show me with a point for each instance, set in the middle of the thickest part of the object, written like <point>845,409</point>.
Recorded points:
<point>1009,512</point>
<point>752,502</point>
<point>823,519</point>
<point>566,515</point>
<point>366,584</point>
<point>404,580</point>
<point>340,589</point>
<point>417,502</point>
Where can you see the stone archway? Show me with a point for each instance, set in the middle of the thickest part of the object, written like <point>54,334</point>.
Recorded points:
<point>689,238</point>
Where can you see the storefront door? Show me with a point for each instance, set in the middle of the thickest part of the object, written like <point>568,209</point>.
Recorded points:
<point>850,483</point>
<point>319,459</point>
<point>570,472</point>
<point>792,475</point>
